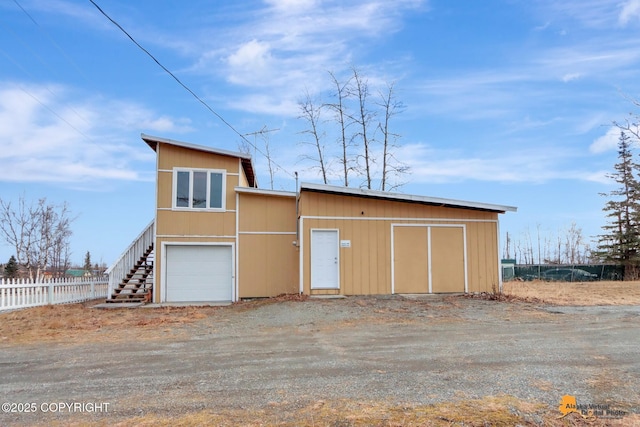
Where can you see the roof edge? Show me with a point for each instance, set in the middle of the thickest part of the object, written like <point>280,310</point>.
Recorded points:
<point>246,160</point>
<point>406,197</point>
<point>149,139</point>
<point>265,192</point>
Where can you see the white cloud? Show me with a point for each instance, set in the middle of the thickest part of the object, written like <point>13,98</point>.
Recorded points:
<point>430,165</point>
<point>608,141</point>
<point>571,76</point>
<point>542,27</point>
<point>83,142</point>
<point>630,10</point>
<point>250,64</point>
<point>134,117</point>
<point>290,45</point>
<point>290,6</point>
<point>589,13</point>
<point>253,54</point>
<point>264,104</point>
<point>601,177</point>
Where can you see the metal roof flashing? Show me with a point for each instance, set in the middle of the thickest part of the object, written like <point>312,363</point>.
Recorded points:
<point>411,198</point>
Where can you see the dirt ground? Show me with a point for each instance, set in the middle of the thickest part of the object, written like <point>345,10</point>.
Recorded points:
<point>359,361</point>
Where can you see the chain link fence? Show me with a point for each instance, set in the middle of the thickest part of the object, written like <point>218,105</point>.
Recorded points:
<point>563,273</point>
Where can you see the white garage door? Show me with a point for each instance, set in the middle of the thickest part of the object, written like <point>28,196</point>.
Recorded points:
<point>199,273</point>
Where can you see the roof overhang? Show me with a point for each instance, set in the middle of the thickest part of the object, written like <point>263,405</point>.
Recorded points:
<point>410,198</point>
<point>245,159</point>
<point>259,191</point>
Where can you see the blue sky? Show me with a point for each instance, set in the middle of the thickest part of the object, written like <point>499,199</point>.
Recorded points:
<point>507,102</point>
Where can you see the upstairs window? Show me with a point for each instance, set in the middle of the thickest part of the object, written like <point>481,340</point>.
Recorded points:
<point>198,189</point>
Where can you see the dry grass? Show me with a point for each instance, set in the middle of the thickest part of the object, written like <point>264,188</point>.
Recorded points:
<point>564,293</point>
<point>73,323</point>
<point>80,323</point>
<point>489,411</point>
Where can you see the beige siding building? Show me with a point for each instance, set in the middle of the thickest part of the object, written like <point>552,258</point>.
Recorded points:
<point>384,243</point>
<point>217,237</point>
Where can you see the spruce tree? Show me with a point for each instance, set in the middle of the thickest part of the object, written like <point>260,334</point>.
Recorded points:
<point>87,262</point>
<point>620,242</point>
<point>11,268</point>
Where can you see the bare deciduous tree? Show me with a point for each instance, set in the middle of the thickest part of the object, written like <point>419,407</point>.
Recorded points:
<point>245,147</point>
<point>311,113</point>
<point>631,125</point>
<point>38,232</point>
<point>341,116</point>
<point>507,247</point>
<point>61,255</point>
<point>390,165</point>
<point>362,119</point>
<point>574,245</point>
<point>566,246</point>
<point>362,142</point>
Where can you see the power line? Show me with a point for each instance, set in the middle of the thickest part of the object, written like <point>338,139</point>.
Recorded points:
<point>185,86</point>
<point>53,42</point>
<point>58,115</point>
<point>42,61</point>
<point>51,110</point>
<point>48,67</point>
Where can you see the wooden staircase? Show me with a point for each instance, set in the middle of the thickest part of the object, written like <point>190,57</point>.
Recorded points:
<point>137,285</point>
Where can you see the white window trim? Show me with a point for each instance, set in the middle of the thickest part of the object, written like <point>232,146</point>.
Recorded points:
<point>174,191</point>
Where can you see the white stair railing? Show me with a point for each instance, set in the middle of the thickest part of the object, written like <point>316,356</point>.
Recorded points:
<point>129,257</point>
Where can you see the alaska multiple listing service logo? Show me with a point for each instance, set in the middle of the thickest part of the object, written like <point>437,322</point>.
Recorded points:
<point>589,411</point>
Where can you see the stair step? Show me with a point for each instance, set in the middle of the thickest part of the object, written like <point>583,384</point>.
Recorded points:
<point>135,282</point>
<point>138,271</point>
<point>132,287</point>
<point>129,295</point>
<point>135,276</point>
<point>123,301</point>
<point>137,285</point>
<point>140,291</point>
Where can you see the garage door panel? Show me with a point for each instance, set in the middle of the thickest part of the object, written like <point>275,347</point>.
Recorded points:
<point>410,268</point>
<point>428,255</point>
<point>199,273</point>
<point>447,259</point>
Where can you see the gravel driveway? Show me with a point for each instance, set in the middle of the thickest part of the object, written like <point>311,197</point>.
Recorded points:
<point>395,349</point>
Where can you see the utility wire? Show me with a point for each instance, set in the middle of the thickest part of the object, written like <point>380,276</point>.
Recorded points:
<point>48,67</point>
<point>57,115</point>
<point>45,65</point>
<point>185,86</point>
<point>53,42</point>
<point>51,110</point>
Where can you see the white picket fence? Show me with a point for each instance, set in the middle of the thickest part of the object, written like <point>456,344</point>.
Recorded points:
<point>22,293</point>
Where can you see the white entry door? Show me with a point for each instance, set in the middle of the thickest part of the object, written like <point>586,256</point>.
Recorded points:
<point>325,263</point>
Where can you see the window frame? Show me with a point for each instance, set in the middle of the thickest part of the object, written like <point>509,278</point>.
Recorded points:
<point>209,172</point>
